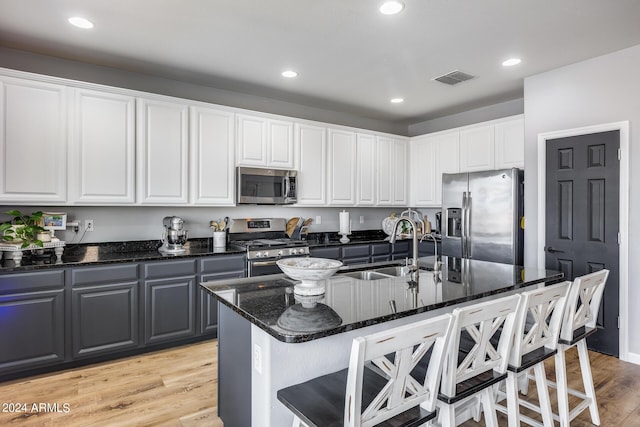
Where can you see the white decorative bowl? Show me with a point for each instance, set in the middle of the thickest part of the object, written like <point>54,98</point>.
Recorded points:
<point>310,271</point>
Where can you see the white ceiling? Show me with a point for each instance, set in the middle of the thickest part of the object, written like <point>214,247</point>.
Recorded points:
<point>350,58</point>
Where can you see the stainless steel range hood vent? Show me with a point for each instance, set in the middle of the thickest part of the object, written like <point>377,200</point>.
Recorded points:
<point>453,77</point>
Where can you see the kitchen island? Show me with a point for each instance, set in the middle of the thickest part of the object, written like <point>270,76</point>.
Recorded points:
<point>259,354</point>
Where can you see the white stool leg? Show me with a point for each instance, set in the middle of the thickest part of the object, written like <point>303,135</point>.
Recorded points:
<point>513,404</point>
<point>561,382</point>
<point>297,422</point>
<point>489,408</point>
<point>523,382</point>
<point>543,395</point>
<point>587,380</point>
<point>446,415</point>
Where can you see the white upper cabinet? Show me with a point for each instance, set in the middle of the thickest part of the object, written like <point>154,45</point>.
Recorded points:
<point>252,141</point>
<point>447,159</point>
<point>365,169</point>
<point>311,148</point>
<point>431,156</point>
<point>392,172</point>
<point>422,170</point>
<point>162,148</point>
<point>102,150</point>
<point>212,157</point>
<point>477,148</point>
<point>33,142</point>
<point>400,173</point>
<point>280,144</point>
<point>264,142</point>
<point>342,167</point>
<point>497,144</point>
<point>510,144</point>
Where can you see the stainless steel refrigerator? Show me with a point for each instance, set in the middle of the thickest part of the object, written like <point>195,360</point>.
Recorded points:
<point>482,215</point>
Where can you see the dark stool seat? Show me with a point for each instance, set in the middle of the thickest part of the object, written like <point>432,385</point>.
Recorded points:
<point>320,401</point>
<point>380,387</point>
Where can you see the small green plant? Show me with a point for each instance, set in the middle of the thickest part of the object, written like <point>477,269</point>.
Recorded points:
<point>23,228</point>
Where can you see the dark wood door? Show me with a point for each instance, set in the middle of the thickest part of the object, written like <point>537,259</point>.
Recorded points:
<point>582,216</point>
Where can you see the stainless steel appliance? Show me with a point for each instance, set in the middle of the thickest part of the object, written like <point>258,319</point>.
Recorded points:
<point>482,215</point>
<point>261,186</point>
<point>265,241</point>
<point>174,236</point>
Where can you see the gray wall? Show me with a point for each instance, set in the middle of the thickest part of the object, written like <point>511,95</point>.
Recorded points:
<point>597,91</point>
<point>41,64</point>
<point>491,112</point>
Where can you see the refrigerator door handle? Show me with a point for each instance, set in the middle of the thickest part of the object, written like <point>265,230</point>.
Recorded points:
<point>468,225</point>
<point>463,225</point>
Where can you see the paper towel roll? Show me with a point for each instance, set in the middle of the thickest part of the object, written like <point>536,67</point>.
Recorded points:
<point>345,226</point>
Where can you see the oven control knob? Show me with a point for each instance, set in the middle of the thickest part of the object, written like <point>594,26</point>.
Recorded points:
<point>265,254</point>
<point>258,254</point>
<point>294,251</point>
<point>279,253</point>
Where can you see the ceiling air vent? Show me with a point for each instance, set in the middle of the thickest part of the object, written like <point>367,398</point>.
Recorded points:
<point>454,77</point>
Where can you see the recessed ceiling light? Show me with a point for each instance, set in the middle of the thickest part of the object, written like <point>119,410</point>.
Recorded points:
<point>81,22</point>
<point>289,74</point>
<point>397,100</point>
<point>391,7</point>
<point>511,62</point>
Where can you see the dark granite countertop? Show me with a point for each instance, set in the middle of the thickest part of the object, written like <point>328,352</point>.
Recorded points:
<point>147,250</point>
<point>112,252</point>
<point>360,303</point>
<point>355,238</point>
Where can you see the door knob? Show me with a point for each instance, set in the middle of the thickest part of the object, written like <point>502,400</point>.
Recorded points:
<point>552,250</point>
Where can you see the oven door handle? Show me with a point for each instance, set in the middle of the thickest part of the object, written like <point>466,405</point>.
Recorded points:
<point>262,263</point>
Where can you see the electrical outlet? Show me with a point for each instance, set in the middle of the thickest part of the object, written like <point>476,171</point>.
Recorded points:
<point>257,358</point>
<point>318,220</point>
<point>361,219</point>
<point>88,225</point>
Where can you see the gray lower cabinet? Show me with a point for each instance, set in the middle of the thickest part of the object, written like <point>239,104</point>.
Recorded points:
<point>331,252</point>
<point>58,316</point>
<point>104,310</point>
<point>400,249</point>
<point>32,320</point>
<point>427,248</point>
<point>216,268</point>
<point>170,300</point>
<point>355,254</point>
<point>380,252</point>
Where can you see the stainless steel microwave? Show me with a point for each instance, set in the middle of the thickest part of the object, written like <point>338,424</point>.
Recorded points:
<point>262,186</point>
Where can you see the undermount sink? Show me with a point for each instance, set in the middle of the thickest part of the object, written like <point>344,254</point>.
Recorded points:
<point>394,271</point>
<point>379,273</point>
<point>367,275</point>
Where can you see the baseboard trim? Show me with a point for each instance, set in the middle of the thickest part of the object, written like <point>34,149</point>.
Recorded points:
<point>631,358</point>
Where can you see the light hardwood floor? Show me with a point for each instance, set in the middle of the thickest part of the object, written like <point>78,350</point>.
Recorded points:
<point>178,387</point>
<point>175,387</point>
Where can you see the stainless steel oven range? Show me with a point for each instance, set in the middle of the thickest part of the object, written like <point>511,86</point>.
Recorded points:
<point>266,241</point>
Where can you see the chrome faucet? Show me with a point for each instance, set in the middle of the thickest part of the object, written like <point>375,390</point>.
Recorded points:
<point>436,263</point>
<point>413,268</point>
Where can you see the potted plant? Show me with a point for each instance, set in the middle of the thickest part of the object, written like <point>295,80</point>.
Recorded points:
<point>23,228</point>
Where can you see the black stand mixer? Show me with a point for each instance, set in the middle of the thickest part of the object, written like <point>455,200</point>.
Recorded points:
<point>174,236</point>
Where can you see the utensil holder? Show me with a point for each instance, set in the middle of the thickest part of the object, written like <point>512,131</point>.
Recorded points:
<point>219,239</point>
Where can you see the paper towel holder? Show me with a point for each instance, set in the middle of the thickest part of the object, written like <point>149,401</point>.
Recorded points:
<point>345,226</point>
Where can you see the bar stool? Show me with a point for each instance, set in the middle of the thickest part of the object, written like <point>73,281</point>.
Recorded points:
<point>476,362</point>
<point>390,392</point>
<point>583,304</point>
<point>536,333</point>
